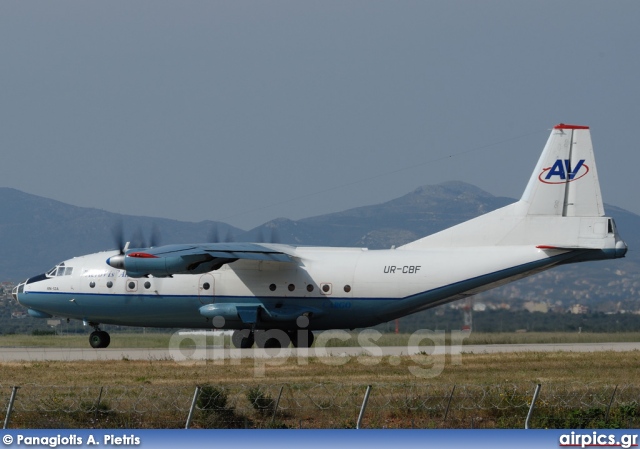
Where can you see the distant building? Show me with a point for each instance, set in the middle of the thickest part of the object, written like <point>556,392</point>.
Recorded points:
<point>533,306</point>
<point>479,307</point>
<point>578,309</point>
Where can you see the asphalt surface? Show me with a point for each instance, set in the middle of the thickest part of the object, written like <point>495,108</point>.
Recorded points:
<point>15,354</point>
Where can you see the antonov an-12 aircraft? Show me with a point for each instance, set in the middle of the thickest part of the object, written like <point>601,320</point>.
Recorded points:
<point>274,294</point>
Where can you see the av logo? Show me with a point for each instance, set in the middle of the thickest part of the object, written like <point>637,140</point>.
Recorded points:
<point>561,172</point>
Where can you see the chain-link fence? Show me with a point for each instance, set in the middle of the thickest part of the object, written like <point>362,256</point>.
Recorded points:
<point>322,405</point>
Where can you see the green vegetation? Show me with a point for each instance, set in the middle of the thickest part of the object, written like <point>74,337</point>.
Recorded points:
<point>260,400</point>
<point>217,413</point>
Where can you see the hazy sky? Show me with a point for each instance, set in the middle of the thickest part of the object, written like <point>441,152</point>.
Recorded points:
<point>245,111</point>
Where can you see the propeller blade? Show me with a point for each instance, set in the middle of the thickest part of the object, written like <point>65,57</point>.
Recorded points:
<point>214,234</point>
<point>118,236</point>
<point>137,239</point>
<point>155,236</point>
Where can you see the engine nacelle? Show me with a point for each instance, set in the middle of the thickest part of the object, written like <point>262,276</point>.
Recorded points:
<point>138,264</point>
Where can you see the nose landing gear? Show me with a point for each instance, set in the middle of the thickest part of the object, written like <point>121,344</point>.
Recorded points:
<point>243,338</point>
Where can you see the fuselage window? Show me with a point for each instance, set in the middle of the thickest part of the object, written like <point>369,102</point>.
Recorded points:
<point>291,287</point>
<point>272,287</point>
<point>309,288</point>
<point>147,285</point>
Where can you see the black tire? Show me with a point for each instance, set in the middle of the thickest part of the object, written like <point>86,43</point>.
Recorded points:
<point>99,339</point>
<point>299,340</point>
<point>242,339</point>
<point>272,338</point>
<point>273,343</point>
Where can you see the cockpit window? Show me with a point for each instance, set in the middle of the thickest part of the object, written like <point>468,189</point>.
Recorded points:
<point>60,270</point>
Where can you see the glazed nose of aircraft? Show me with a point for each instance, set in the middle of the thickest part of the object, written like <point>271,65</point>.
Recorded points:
<point>18,291</point>
<point>621,248</point>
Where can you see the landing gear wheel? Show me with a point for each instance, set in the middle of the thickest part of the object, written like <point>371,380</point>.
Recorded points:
<point>242,339</point>
<point>99,339</point>
<point>272,338</point>
<point>302,338</point>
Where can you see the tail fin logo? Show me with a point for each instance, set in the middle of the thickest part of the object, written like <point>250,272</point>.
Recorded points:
<point>561,172</point>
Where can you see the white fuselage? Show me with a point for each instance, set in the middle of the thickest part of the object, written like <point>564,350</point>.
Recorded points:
<point>339,287</point>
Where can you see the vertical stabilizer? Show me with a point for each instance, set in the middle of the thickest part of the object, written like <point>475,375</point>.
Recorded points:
<point>565,181</point>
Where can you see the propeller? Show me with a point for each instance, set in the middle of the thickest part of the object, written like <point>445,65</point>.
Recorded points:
<point>214,235</point>
<point>118,236</point>
<point>273,237</point>
<point>155,238</point>
<point>137,239</point>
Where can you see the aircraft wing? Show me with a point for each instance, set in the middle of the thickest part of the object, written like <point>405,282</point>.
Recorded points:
<point>163,261</point>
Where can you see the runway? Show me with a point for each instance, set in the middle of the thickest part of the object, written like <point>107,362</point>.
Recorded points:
<point>26,354</point>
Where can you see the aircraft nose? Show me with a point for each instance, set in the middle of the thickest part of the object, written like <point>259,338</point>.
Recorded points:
<point>621,248</point>
<point>17,290</point>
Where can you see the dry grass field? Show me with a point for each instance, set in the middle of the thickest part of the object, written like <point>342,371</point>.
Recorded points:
<point>476,390</point>
<point>545,367</point>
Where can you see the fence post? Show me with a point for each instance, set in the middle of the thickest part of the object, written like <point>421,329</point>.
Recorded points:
<point>606,419</point>
<point>193,406</point>
<point>533,403</point>
<point>97,406</point>
<point>364,406</point>
<point>446,412</point>
<point>14,391</point>
<point>275,409</point>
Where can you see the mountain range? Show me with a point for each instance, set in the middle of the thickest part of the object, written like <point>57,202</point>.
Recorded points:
<point>36,233</point>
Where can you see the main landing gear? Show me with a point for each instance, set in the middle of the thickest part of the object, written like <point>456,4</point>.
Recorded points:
<point>99,338</point>
<point>272,338</point>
